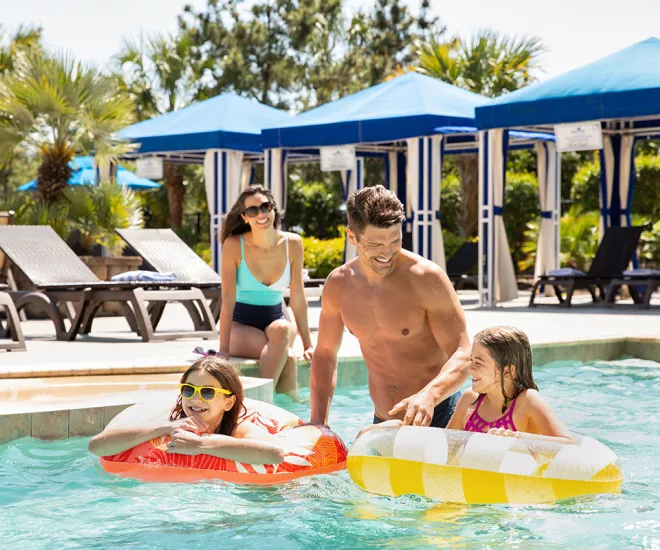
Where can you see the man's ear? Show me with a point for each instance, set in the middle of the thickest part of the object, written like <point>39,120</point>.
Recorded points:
<point>351,236</point>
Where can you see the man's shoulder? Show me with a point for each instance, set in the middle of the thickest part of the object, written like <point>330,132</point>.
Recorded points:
<point>423,271</point>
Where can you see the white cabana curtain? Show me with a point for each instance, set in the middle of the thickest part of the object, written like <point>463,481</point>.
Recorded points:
<point>606,185</point>
<point>222,178</point>
<point>247,168</point>
<point>626,170</point>
<point>352,181</point>
<point>392,179</point>
<point>547,247</point>
<point>276,174</point>
<point>497,276</point>
<point>424,174</point>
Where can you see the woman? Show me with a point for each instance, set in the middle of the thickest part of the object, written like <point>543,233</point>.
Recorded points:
<point>210,402</point>
<point>259,262</point>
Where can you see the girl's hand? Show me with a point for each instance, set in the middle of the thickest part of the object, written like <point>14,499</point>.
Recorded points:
<point>308,353</point>
<point>184,443</point>
<point>504,433</point>
<point>189,424</point>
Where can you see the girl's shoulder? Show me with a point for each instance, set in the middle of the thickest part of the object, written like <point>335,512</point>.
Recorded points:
<point>529,398</point>
<point>468,398</point>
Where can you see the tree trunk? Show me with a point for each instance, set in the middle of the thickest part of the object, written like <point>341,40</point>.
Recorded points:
<point>175,193</point>
<point>468,212</point>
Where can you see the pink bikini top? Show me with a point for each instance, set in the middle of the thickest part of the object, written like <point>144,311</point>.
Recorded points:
<point>477,424</point>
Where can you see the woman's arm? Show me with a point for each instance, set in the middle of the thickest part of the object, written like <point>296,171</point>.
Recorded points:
<point>297,292</point>
<point>230,251</point>
<point>249,444</point>
<point>120,438</point>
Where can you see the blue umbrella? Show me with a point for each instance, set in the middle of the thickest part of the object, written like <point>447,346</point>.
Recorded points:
<point>85,173</point>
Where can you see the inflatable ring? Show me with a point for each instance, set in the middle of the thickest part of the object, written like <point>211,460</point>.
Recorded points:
<point>309,450</point>
<point>477,468</point>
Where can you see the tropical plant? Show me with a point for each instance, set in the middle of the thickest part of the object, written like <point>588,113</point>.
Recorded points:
<point>488,64</point>
<point>578,239</point>
<point>40,212</point>
<point>26,38</point>
<point>60,106</point>
<point>159,75</point>
<point>96,211</point>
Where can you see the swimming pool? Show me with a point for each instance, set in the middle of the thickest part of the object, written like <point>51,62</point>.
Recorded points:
<point>54,495</point>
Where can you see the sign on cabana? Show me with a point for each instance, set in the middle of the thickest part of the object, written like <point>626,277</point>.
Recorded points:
<point>338,158</point>
<point>581,136</point>
<point>150,168</point>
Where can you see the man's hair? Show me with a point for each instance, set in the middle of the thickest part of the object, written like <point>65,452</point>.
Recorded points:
<point>375,206</point>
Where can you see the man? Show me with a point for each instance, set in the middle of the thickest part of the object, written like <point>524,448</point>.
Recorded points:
<point>405,313</point>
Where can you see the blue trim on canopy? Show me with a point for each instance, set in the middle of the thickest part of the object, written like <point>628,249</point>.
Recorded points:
<point>226,121</point>
<point>625,84</point>
<point>516,134</point>
<point>408,106</point>
<point>604,210</point>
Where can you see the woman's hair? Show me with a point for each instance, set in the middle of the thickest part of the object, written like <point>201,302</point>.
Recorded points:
<point>234,223</point>
<point>509,346</point>
<point>225,373</point>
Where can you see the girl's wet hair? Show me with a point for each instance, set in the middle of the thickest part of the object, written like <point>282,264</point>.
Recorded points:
<point>509,346</point>
<point>225,373</point>
<point>234,223</point>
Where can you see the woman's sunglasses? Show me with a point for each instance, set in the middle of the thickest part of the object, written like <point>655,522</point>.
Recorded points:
<point>253,211</point>
<point>207,393</point>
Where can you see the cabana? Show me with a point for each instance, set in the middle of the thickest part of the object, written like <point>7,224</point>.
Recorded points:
<point>223,134</point>
<point>396,121</point>
<point>620,91</point>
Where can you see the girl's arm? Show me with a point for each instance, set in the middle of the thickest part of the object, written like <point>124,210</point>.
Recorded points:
<point>543,419</point>
<point>458,420</point>
<point>116,439</point>
<point>249,444</point>
<point>230,251</point>
<point>297,294</point>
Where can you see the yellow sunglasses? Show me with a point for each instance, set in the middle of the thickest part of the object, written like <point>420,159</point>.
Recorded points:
<point>207,393</point>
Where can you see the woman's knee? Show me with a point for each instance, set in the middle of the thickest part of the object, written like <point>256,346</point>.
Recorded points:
<point>279,331</point>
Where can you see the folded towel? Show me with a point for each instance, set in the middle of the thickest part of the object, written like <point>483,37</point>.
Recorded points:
<point>566,272</point>
<point>149,276</point>
<point>306,276</point>
<point>642,273</point>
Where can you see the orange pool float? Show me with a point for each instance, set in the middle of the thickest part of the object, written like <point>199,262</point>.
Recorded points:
<point>309,450</point>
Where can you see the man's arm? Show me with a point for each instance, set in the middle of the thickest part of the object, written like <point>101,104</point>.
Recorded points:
<point>323,375</point>
<point>447,322</point>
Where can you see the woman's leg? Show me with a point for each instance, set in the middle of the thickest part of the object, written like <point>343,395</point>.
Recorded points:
<point>246,341</point>
<point>277,361</point>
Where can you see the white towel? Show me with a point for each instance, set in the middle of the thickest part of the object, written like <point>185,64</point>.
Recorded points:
<point>149,276</point>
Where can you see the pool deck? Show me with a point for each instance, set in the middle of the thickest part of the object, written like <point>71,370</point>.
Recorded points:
<point>112,349</point>
<point>58,390</point>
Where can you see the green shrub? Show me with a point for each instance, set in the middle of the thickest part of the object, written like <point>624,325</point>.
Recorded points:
<point>322,256</point>
<point>586,186</point>
<point>450,200</point>
<point>313,209</point>
<point>578,241</point>
<point>452,241</point>
<point>203,250</point>
<point>521,206</point>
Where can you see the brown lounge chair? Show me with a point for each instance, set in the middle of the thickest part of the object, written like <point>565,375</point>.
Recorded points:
<point>163,251</point>
<point>11,337</point>
<point>62,279</point>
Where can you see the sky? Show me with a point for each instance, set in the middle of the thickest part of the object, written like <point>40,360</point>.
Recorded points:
<point>575,32</point>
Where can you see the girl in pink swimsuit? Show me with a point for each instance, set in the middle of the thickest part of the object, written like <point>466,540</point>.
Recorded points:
<point>504,399</point>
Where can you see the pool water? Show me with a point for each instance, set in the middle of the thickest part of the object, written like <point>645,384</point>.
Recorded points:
<point>55,495</point>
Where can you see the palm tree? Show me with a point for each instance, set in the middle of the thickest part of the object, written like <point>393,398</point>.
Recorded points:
<point>487,64</point>
<point>62,108</point>
<point>159,76</point>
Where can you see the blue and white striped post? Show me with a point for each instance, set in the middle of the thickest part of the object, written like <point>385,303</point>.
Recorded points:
<point>352,181</point>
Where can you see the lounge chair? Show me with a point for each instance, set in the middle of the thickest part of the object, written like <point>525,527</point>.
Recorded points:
<point>462,262</point>
<point>165,252</point>
<point>11,336</point>
<point>614,254</point>
<point>646,280</point>
<point>61,279</point>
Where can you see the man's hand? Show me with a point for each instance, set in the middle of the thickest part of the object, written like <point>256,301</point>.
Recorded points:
<point>419,409</point>
<point>184,443</point>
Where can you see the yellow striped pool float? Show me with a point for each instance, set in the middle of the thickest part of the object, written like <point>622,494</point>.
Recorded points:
<point>475,468</point>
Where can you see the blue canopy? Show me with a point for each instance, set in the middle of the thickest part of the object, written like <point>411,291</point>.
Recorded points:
<point>625,84</point>
<point>85,173</point>
<point>517,134</point>
<point>226,121</point>
<point>408,106</point>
